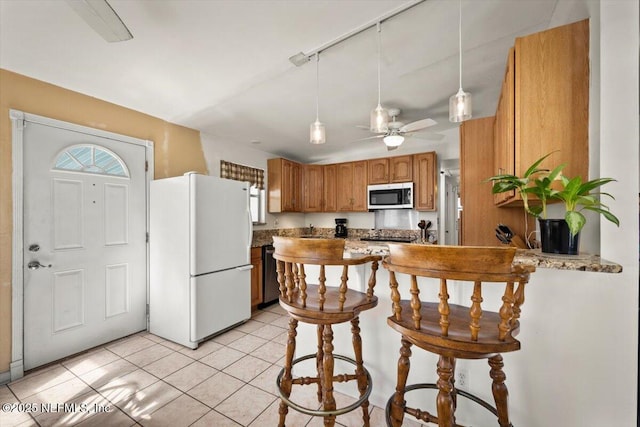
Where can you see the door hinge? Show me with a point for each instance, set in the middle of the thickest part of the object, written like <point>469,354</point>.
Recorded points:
<point>147,233</point>
<point>146,166</point>
<point>147,310</point>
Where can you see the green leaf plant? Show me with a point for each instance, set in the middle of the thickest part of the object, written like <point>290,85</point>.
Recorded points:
<point>575,194</point>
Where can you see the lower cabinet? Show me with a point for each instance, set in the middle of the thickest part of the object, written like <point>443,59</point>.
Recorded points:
<point>256,277</point>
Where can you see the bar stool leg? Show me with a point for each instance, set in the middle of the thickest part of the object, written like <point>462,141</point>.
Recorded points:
<point>444,400</point>
<point>319,358</point>
<point>285,383</point>
<point>362,378</point>
<point>329,402</point>
<point>398,403</point>
<point>499,389</point>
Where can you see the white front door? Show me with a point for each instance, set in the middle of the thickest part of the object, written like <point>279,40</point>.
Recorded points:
<point>85,255</point>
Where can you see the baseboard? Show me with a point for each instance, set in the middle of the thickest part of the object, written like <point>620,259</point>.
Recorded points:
<point>5,377</point>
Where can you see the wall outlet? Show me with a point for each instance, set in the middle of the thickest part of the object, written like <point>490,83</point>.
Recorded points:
<point>462,378</point>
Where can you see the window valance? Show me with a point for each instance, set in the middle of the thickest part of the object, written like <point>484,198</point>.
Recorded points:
<point>238,172</point>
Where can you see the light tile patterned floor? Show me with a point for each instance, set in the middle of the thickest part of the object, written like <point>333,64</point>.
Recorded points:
<point>228,381</point>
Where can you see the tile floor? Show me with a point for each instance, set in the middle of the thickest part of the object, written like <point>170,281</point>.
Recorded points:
<point>145,380</point>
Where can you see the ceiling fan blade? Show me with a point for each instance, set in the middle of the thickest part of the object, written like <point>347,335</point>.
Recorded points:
<point>363,127</point>
<point>102,18</point>
<point>428,136</point>
<point>417,125</point>
<point>371,137</point>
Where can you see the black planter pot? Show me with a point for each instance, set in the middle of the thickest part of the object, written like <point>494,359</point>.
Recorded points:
<point>556,238</point>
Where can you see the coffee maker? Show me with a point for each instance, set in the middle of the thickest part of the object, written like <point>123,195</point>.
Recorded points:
<point>341,227</point>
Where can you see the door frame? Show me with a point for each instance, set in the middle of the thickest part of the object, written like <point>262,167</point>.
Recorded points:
<point>18,119</point>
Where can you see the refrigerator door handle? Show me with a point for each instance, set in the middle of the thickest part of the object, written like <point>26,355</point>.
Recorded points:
<point>244,267</point>
<point>250,237</point>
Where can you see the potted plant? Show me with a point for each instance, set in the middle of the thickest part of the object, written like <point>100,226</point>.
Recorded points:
<point>556,235</point>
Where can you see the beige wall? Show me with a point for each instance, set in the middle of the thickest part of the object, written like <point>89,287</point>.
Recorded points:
<point>177,150</point>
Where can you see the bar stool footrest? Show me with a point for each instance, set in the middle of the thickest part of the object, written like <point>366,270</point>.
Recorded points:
<point>321,412</point>
<point>433,386</point>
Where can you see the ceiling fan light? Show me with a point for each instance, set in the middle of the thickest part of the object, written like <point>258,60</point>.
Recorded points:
<point>393,140</point>
<point>460,106</point>
<point>379,120</point>
<point>317,133</point>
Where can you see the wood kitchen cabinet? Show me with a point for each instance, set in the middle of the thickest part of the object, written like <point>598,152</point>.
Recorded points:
<point>284,186</point>
<point>329,202</point>
<point>503,129</point>
<point>378,170</point>
<point>480,215</point>
<point>550,104</point>
<point>351,186</point>
<point>312,185</point>
<point>425,181</point>
<point>390,169</point>
<point>256,277</point>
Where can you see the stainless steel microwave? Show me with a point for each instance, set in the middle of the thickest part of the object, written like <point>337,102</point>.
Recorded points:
<point>390,196</point>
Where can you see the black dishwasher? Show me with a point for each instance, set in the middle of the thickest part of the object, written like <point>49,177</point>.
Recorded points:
<point>270,286</point>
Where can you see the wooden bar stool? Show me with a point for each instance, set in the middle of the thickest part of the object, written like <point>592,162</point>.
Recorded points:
<point>323,306</point>
<point>454,331</point>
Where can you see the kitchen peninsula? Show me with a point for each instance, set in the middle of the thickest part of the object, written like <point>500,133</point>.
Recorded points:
<point>555,297</point>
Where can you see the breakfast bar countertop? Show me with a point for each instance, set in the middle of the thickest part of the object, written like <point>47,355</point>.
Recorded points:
<point>354,246</point>
<point>581,262</point>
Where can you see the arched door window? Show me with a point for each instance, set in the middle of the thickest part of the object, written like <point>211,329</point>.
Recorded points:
<point>91,159</point>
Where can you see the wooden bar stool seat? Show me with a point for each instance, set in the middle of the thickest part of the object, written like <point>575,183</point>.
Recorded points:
<point>453,331</point>
<point>323,305</point>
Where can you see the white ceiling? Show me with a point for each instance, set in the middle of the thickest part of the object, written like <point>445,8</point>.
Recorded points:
<point>221,66</point>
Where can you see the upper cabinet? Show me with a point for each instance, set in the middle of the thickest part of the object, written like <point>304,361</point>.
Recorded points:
<point>342,187</point>
<point>329,203</point>
<point>390,169</point>
<point>284,186</point>
<point>503,129</point>
<point>312,188</point>
<point>550,104</point>
<point>351,186</point>
<point>425,181</point>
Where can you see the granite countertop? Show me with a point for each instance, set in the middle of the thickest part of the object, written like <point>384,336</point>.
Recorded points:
<point>355,246</point>
<point>582,262</point>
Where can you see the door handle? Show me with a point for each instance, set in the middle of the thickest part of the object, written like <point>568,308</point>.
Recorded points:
<point>34,265</point>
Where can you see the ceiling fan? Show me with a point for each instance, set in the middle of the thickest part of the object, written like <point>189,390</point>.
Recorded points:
<point>100,16</point>
<point>396,131</point>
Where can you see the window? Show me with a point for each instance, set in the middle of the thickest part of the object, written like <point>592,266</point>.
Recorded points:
<point>255,177</point>
<point>257,204</point>
<point>90,159</point>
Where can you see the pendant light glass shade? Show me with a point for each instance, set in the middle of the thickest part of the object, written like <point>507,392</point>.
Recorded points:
<point>379,119</point>
<point>460,106</point>
<point>460,103</point>
<point>317,133</point>
<point>393,140</point>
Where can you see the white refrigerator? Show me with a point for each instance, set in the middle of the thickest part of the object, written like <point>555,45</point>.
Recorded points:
<point>200,271</point>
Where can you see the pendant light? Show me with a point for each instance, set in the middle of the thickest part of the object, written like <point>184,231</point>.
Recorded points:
<point>460,103</point>
<point>316,130</point>
<point>379,116</point>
